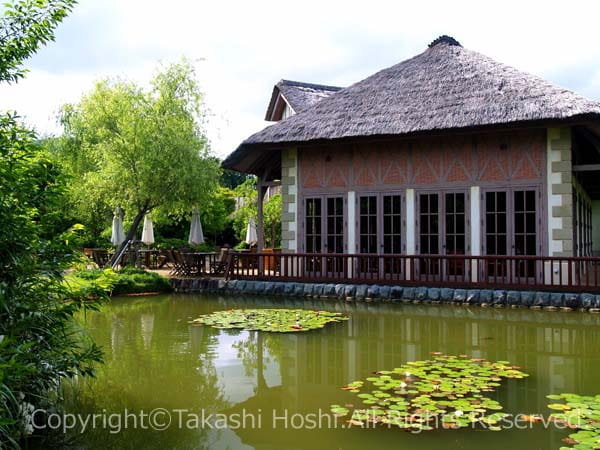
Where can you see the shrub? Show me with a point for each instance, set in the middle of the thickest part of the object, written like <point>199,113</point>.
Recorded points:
<point>129,280</point>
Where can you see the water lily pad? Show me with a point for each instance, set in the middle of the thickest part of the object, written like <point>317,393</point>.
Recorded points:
<point>444,392</point>
<point>274,320</point>
<point>579,412</point>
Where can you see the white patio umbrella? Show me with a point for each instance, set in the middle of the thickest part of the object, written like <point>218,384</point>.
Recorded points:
<point>118,235</point>
<point>251,235</point>
<point>196,234</point>
<point>148,231</point>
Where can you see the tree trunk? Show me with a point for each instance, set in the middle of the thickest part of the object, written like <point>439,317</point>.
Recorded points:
<point>130,234</point>
<point>261,383</point>
<point>273,234</point>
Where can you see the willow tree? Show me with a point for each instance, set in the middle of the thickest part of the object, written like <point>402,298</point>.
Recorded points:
<point>142,149</point>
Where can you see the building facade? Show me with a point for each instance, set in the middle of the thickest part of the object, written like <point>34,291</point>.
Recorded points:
<point>448,153</point>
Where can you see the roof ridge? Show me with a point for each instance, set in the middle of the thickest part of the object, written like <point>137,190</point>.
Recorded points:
<point>309,85</point>
<point>445,39</point>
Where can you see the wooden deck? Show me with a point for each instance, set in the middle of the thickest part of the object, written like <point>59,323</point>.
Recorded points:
<point>502,272</point>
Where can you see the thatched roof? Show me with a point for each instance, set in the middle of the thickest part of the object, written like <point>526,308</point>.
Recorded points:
<point>444,88</point>
<point>298,95</point>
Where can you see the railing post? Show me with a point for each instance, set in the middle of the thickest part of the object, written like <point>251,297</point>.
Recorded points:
<point>501,271</point>
<point>228,266</point>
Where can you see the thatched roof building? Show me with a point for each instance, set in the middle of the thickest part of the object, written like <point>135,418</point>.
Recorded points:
<point>447,87</point>
<point>298,95</point>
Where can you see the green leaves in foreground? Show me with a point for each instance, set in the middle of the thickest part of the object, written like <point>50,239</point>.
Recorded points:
<point>581,413</point>
<point>444,392</point>
<point>276,320</point>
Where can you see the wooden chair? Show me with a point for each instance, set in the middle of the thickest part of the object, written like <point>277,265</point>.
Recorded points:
<point>218,267</point>
<point>100,257</point>
<point>176,262</point>
<point>191,264</point>
<point>163,260</point>
<point>183,264</point>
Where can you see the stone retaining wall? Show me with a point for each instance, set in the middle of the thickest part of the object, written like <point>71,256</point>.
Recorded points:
<point>369,293</point>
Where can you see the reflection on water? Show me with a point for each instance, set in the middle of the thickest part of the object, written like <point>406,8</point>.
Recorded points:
<point>156,360</point>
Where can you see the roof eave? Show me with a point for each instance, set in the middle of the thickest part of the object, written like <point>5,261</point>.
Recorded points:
<point>271,107</point>
<point>234,160</point>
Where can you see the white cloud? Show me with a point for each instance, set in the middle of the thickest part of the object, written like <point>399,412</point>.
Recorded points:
<point>247,46</point>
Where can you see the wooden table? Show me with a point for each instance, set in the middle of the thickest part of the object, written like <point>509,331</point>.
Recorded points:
<point>199,261</point>
<point>149,257</point>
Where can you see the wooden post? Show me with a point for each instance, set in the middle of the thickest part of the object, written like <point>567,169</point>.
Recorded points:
<point>260,232</point>
<point>260,225</point>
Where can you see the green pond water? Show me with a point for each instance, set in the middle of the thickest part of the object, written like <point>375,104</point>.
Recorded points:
<point>156,361</point>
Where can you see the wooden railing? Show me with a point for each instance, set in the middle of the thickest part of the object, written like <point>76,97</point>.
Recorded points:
<point>508,272</point>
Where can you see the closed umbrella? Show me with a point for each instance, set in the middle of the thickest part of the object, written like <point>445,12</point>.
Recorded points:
<point>148,231</point>
<point>118,235</point>
<point>251,236</point>
<point>196,234</point>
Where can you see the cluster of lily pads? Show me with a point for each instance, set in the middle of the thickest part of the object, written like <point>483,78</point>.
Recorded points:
<point>443,392</point>
<point>581,413</point>
<point>275,320</point>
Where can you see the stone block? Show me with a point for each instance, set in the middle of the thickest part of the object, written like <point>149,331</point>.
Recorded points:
<point>562,188</point>
<point>527,298</point>
<point>460,295</point>
<point>433,294</point>
<point>486,296</point>
<point>350,291</point>
<point>557,299</point>
<point>288,217</point>
<point>329,291</point>
<point>396,292</point>
<point>408,294</point>
<point>260,287</point>
<point>572,301</point>
<point>513,298</point>
<point>421,293</point>
<point>562,211</point>
<point>590,300</point>
<point>562,233</point>
<point>499,298</point>
<point>318,290</point>
<point>269,288</point>
<point>561,166</point>
<point>361,292</point>
<point>541,299</point>
<point>373,292</point>
<point>298,289</point>
<point>447,295</point>
<point>288,235</point>
<point>279,288</point>
<point>289,288</point>
<point>308,290</point>
<point>472,296</point>
<point>385,292</point>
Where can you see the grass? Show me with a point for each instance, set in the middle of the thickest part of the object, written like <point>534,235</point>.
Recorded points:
<point>98,282</point>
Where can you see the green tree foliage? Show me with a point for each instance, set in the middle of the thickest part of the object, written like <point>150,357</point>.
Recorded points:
<point>143,150</point>
<point>272,220</point>
<point>246,195</point>
<point>232,179</point>
<point>216,213</point>
<point>39,343</point>
<point>26,26</point>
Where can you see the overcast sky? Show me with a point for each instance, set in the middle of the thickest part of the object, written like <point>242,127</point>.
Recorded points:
<point>242,48</point>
